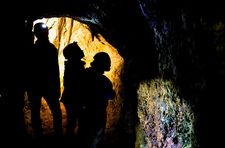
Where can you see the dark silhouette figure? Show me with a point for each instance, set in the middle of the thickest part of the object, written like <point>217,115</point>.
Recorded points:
<point>21,83</point>
<point>73,73</point>
<point>44,81</point>
<point>97,91</point>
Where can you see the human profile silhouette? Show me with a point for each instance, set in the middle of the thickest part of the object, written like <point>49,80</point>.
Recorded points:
<point>98,91</point>
<point>44,81</point>
<point>73,73</point>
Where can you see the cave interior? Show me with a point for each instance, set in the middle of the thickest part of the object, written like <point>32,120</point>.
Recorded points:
<point>173,48</point>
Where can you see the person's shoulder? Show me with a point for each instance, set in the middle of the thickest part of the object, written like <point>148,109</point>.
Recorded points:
<point>106,80</point>
<point>52,46</point>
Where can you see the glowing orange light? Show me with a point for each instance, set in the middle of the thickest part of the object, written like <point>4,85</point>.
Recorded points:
<point>63,31</point>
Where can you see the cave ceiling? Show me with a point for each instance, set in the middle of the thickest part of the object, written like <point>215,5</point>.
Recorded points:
<point>123,23</point>
<point>118,21</point>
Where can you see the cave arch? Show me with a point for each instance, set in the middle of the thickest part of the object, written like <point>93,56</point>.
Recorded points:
<point>65,30</point>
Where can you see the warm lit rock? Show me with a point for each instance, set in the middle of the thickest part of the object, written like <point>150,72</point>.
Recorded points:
<point>63,31</point>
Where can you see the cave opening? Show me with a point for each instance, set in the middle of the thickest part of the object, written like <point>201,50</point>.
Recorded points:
<point>153,112</point>
<point>188,50</point>
<point>162,116</point>
<point>65,30</point>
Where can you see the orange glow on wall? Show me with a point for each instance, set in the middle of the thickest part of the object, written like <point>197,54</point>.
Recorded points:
<point>62,31</point>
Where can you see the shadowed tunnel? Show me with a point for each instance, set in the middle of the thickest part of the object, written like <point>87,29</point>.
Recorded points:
<point>169,83</point>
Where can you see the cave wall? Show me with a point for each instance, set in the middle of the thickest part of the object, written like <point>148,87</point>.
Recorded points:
<point>188,39</point>
<point>179,40</point>
<point>128,32</point>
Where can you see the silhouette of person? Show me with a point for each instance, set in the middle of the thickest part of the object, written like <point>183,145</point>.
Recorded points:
<point>73,73</point>
<point>21,82</point>
<point>44,81</point>
<point>98,90</point>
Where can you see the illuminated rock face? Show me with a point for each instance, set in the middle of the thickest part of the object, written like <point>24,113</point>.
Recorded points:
<point>63,31</point>
<point>184,53</point>
<point>166,120</point>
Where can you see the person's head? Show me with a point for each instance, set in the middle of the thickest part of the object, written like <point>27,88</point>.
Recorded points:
<point>41,31</point>
<point>101,62</point>
<point>72,51</point>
